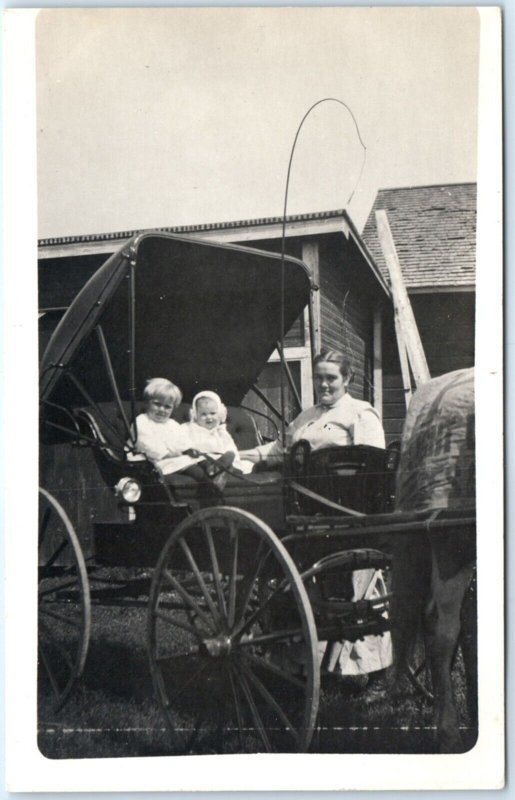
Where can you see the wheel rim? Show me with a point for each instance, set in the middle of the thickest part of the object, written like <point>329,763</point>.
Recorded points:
<point>231,639</point>
<point>64,607</point>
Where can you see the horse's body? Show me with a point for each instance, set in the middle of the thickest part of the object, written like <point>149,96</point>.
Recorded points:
<point>432,571</point>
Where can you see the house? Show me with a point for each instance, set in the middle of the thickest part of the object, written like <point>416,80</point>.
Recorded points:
<point>348,308</point>
<point>434,230</point>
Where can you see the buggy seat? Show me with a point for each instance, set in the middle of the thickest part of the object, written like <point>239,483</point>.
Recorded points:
<point>110,432</point>
<point>359,477</point>
<point>261,495</point>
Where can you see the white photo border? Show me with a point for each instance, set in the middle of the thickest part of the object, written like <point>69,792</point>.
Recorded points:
<point>27,769</point>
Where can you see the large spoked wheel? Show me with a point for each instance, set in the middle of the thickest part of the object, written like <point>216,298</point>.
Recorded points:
<point>64,608</point>
<point>232,639</point>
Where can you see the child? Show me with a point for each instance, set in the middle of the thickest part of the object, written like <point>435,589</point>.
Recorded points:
<point>159,437</point>
<point>208,434</point>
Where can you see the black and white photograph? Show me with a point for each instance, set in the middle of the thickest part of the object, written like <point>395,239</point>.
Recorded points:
<point>267,263</point>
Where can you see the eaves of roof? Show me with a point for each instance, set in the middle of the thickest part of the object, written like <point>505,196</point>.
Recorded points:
<point>250,229</point>
<point>207,226</point>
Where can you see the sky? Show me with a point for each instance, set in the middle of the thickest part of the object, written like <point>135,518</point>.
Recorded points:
<point>177,116</point>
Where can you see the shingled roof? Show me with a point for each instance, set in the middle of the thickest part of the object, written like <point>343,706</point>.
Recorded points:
<point>434,230</point>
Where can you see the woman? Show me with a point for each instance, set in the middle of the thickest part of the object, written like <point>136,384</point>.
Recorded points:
<point>338,420</point>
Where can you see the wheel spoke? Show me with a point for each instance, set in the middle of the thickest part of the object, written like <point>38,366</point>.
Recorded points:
<point>64,572</point>
<point>234,573</point>
<point>251,582</point>
<point>262,663</point>
<point>243,584</point>
<point>200,580</point>
<point>186,596</point>
<point>46,663</point>
<point>58,588</point>
<point>58,646</point>
<point>239,717</point>
<point>64,606</point>
<point>169,659</point>
<point>71,622</point>
<point>216,570</point>
<point>43,526</point>
<point>263,691</point>
<point>53,558</point>
<point>221,709</point>
<point>258,613</point>
<point>172,620</point>
<point>254,710</point>
<point>193,737</point>
<point>202,668</point>
<point>276,636</point>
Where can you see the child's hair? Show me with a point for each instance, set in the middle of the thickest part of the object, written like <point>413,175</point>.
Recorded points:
<point>208,396</point>
<point>162,388</point>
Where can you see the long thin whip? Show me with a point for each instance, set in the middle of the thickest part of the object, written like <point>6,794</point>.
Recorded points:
<point>283,238</point>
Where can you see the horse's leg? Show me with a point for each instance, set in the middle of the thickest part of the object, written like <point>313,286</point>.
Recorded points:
<point>468,642</point>
<point>410,584</point>
<point>449,581</point>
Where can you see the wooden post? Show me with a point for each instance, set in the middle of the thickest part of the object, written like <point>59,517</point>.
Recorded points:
<point>403,358</point>
<point>310,258</point>
<point>377,357</point>
<point>401,303</point>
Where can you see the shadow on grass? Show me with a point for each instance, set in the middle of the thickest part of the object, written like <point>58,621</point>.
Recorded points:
<point>113,712</point>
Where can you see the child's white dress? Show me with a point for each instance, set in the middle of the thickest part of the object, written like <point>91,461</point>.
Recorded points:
<point>163,443</point>
<point>215,443</point>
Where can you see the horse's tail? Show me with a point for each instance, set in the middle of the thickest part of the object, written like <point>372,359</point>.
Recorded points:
<point>410,586</point>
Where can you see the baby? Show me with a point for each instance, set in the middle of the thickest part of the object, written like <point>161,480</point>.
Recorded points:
<point>159,437</point>
<point>208,434</point>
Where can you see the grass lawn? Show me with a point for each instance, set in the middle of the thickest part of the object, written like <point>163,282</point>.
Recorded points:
<point>113,711</point>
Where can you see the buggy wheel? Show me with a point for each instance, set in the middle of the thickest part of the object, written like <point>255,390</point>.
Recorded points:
<point>232,640</point>
<point>64,608</point>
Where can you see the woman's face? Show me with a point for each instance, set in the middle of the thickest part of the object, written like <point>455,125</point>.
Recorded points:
<point>330,385</point>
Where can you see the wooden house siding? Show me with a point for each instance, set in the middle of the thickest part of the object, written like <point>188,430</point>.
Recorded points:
<point>346,312</point>
<point>61,279</point>
<point>446,323</point>
<point>394,399</point>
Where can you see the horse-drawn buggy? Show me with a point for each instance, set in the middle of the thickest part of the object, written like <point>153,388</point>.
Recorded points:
<point>247,594</point>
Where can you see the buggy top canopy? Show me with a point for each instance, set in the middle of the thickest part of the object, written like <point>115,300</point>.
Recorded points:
<point>203,315</point>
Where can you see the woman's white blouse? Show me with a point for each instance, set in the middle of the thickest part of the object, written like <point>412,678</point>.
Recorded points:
<point>348,421</point>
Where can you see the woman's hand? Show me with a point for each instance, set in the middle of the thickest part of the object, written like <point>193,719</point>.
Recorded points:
<point>250,455</point>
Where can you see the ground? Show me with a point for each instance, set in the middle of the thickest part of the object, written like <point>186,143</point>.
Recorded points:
<point>113,711</point>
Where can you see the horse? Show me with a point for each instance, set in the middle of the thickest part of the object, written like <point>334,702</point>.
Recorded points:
<point>432,570</point>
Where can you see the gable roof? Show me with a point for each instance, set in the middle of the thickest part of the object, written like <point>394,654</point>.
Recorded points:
<point>434,230</point>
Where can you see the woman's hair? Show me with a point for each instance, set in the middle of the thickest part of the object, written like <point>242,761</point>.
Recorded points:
<point>207,395</point>
<point>162,388</point>
<point>336,357</point>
